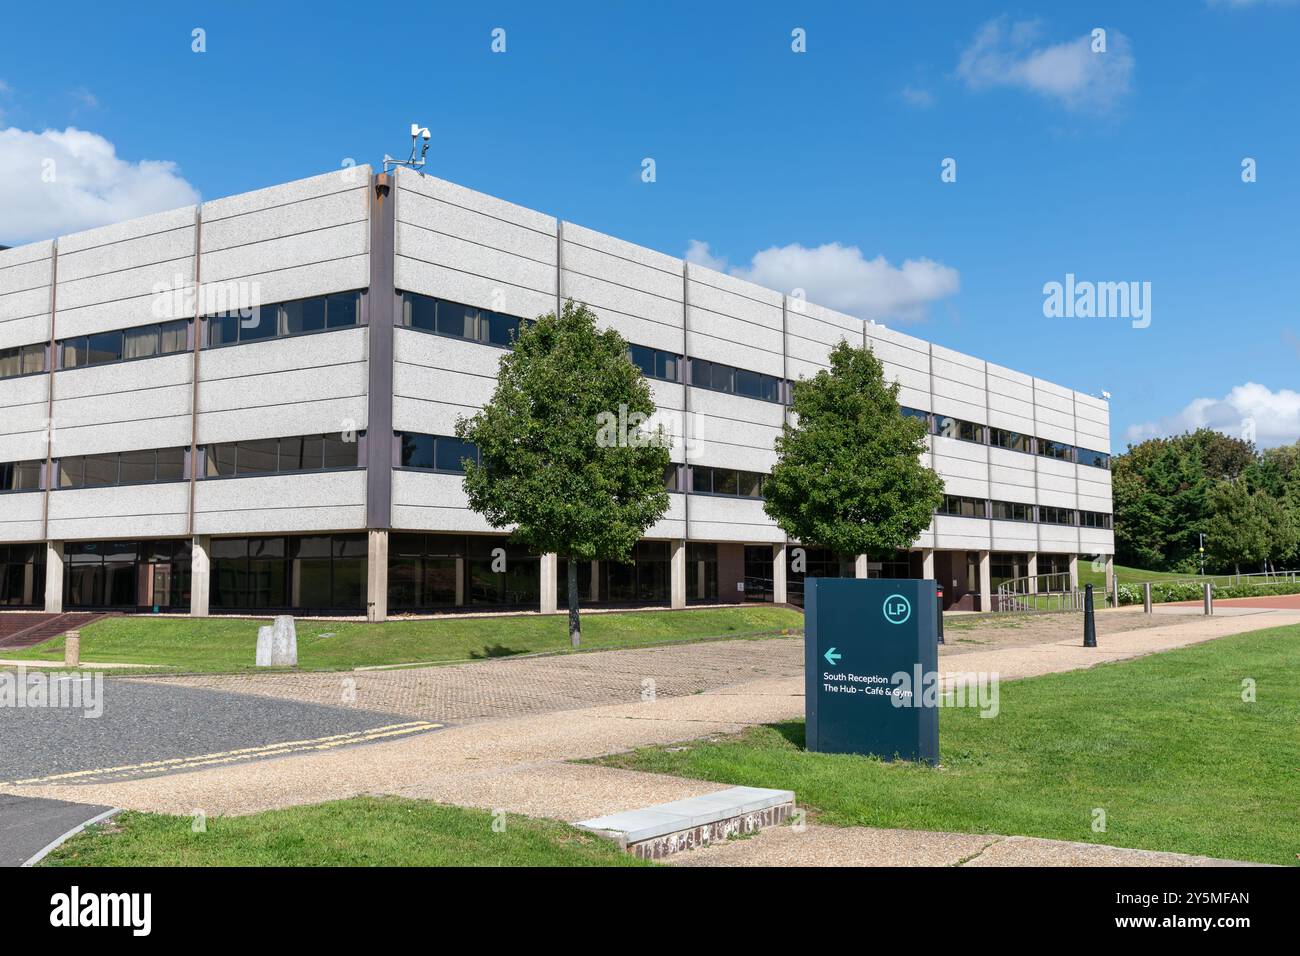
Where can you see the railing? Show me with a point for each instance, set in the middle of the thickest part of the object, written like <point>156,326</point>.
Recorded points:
<point>1052,592</point>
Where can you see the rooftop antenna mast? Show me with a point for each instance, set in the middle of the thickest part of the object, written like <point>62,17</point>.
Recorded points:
<point>418,132</point>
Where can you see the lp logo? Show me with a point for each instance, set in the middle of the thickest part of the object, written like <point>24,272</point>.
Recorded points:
<point>897,609</point>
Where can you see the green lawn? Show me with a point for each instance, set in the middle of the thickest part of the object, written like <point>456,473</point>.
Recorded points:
<point>1163,744</point>
<point>1129,575</point>
<point>364,831</point>
<point>226,644</point>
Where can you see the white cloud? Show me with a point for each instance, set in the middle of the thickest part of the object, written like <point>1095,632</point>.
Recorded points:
<point>699,253</point>
<point>915,96</point>
<point>1012,54</point>
<point>840,277</point>
<point>1275,416</point>
<point>56,182</point>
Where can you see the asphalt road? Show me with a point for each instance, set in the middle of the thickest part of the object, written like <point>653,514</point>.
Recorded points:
<point>159,727</point>
<point>28,825</point>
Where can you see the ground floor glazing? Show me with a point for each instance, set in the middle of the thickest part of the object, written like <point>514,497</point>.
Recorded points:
<point>393,573</point>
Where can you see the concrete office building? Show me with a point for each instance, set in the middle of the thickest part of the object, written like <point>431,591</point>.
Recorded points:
<point>160,451</point>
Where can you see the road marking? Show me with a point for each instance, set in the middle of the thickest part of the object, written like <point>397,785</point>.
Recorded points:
<point>175,764</point>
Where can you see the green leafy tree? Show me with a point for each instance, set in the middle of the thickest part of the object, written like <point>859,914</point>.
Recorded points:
<point>849,475</point>
<point>566,458</point>
<point>1241,525</point>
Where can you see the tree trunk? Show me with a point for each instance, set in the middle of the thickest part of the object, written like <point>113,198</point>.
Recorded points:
<point>575,625</point>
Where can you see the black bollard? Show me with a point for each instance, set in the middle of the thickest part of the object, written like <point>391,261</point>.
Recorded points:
<point>939,598</point>
<point>1089,621</point>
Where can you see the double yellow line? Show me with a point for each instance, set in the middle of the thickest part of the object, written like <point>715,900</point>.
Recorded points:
<point>177,764</point>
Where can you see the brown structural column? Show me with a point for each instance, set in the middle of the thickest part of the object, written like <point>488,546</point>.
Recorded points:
<point>381,314</point>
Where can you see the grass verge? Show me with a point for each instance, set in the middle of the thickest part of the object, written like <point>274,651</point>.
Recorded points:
<point>1164,745</point>
<point>363,831</point>
<point>226,644</point>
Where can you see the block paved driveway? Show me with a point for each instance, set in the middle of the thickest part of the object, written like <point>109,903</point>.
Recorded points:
<point>506,687</point>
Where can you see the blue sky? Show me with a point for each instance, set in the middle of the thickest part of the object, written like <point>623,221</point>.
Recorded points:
<point>1122,166</point>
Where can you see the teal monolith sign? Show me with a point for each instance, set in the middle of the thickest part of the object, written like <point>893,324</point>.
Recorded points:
<point>871,661</point>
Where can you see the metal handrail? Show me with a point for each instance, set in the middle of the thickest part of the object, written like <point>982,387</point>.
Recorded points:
<point>1036,593</point>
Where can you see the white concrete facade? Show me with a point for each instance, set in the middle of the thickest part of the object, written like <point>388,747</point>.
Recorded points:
<point>313,238</point>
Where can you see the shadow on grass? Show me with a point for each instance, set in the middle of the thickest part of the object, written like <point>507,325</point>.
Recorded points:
<point>496,650</point>
<point>791,730</point>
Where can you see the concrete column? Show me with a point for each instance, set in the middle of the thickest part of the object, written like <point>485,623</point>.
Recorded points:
<point>460,582</point>
<point>927,563</point>
<point>678,575</point>
<point>860,566</point>
<point>200,576</point>
<point>986,583</point>
<point>550,564</point>
<point>377,577</point>
<point>780,594</point>
<point>1074,572</point>
<point>1110,573</point>
<point>595,581</point>
<point>1033,572</point>
<point>54,577</point>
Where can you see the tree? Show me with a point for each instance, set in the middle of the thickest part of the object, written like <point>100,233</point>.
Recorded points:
<point>849,475</point>
<point>1240,527</point>
<point>565,457</point>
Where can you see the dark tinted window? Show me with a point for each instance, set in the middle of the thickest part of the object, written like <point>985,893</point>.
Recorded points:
<point>304,315</point>
<point>341,309</point>
<point>736,381</point>
<point>420,312</point>
<point>1012,511</point>
<point>1094,459</point>
<point>104,347</point>
<point>20,475</point>
<point>274,319</point>
<point>1055,449</point>
<point>100,471</point>
<point>171,464</point>
<point>501,328</point>
<point>948,427</point>
<point>1050,515</point>
<point>122,468</point>
<point>138,466</point>
<point>727,481</point>
<point>435,452</point>
<point>1013,441</point>
<point>416,450</point>
<point>264,323</point>
<point>654,363</point>
<point>962,507</point>
<point>281,455</point>
<point>448,453</point>
<point>337,453</point>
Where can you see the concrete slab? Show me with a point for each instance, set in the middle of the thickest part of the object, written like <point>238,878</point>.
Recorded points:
<point>636,826</point>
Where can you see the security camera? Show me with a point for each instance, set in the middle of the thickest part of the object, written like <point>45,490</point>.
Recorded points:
<point>425,133</point>
<point>1106,395</point>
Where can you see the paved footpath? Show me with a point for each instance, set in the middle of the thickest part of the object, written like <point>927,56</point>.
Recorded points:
<point>522,763</point>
